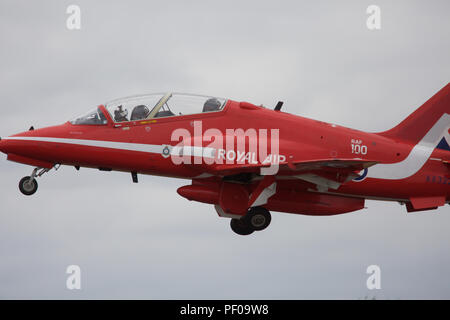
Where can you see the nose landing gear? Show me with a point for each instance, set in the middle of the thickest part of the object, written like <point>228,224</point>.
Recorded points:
<point>28,185</point>
<point>256,219</point>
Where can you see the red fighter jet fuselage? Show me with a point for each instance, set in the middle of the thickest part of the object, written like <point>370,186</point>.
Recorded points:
<point>247,160</point>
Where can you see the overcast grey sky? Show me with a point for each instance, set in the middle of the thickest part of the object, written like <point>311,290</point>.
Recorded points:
<point>145,241</point>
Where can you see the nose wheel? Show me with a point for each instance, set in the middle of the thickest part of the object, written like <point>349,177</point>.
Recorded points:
<point>28,185</point>
<point>256,219</point>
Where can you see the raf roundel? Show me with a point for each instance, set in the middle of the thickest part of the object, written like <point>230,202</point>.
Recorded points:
<point>362,176</point>
<point>166,151</point>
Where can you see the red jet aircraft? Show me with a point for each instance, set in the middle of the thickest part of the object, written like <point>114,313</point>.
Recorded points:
<point>247,160</point>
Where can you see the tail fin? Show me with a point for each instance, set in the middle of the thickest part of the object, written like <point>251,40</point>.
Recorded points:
<point>428,124</point>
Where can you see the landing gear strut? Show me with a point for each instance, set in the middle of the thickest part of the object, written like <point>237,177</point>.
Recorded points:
<point>28,185</point>
<point>256,219</point>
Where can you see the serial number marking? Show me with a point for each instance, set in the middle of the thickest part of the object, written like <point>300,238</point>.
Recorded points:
<point>438,179</point>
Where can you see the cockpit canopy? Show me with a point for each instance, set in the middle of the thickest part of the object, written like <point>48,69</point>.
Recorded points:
<point>152,106</point>
<point>94,117</point>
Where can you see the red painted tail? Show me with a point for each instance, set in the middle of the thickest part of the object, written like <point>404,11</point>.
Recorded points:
<point>419,123</point>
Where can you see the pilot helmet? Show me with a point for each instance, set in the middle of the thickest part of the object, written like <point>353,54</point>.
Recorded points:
<point>121,111</point>
<point>212,104</point>
<point>140,112</point>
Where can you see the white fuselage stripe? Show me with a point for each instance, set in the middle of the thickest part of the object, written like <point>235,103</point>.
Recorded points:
<point>416,158</point>
<point>96,143</point>
<point>140,147</point>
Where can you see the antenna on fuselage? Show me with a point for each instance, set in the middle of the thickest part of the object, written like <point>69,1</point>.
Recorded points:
<point>278,106</point>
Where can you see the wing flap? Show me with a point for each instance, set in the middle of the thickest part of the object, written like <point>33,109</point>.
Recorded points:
<point>422,203</point>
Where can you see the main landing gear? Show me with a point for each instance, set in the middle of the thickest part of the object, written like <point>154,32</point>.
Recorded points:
<point>256,219</point>
<point>28,185</point>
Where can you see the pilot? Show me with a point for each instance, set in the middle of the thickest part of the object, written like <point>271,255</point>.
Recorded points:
<point>212,104</point>
<point>120,115</point>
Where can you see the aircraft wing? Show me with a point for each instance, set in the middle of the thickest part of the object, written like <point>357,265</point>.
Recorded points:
<point>324,173</point>
<point>345,164</point>
<point>303,165</point>
<point>330,173</point>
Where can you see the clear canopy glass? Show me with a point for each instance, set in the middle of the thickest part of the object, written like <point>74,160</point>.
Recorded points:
<point>161,106</point>
<point>94,117</point>
<point>152,106</point>
<point>133,108</point>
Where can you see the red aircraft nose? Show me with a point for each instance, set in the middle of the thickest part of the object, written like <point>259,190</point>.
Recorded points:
<point>6,145</point>
<point>2,146</point>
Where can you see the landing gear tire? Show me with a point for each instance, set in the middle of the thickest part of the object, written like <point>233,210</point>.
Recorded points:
<point>258,218</point>
<point>241,226</point>
<point>28,186</point>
